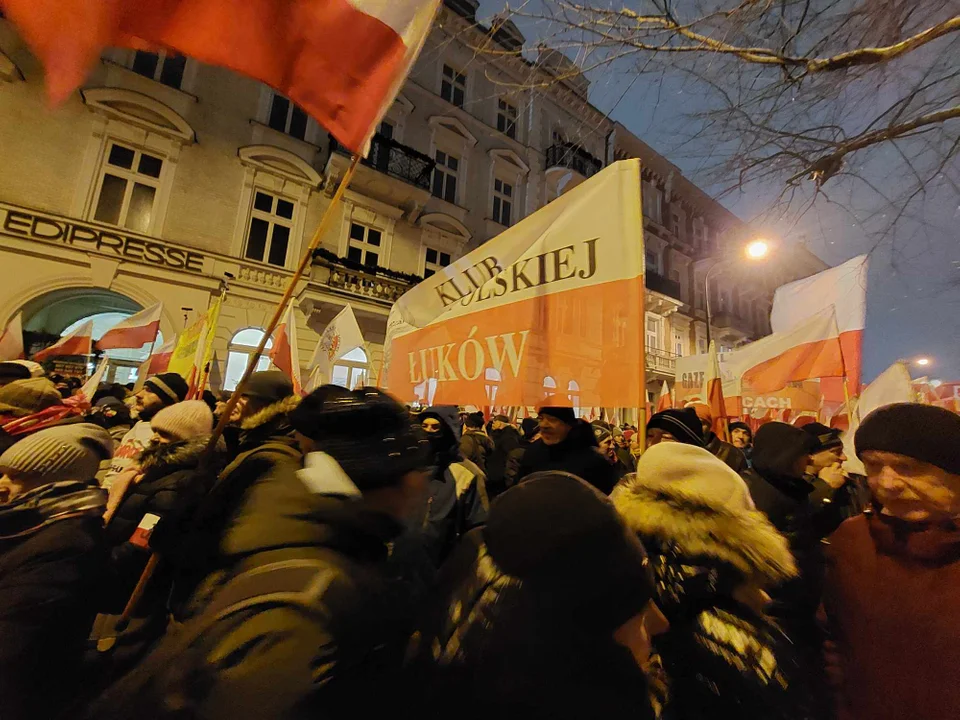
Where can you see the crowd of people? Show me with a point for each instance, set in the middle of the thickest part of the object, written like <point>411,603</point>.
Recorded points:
<point>340,555</point>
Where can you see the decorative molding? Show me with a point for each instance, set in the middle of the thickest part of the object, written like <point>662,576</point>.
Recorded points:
<point>511,157</point>
<point>280,162</point>
<point>140,110</point>
<point>438,220</point>
<point>452,125</point>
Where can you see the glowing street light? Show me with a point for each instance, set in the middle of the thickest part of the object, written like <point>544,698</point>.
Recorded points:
<point>922,361</point>
<point>758,249</point>
<point>755,250</point>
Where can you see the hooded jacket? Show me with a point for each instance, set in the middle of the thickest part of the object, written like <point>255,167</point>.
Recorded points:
<point>723,656</point>
<point>505,441</point>
<point>53,561</point>
<point>577,454</point>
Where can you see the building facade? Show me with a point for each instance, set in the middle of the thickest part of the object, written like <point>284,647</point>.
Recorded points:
<point>163,178</point>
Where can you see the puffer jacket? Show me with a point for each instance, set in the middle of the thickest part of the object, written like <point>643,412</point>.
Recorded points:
<point>53,562</point>
<point>578,454</point>
<point>278,659</point>
<point>723,656</point>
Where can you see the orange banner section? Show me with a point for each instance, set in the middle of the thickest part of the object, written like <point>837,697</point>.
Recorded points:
<point>580,345</point>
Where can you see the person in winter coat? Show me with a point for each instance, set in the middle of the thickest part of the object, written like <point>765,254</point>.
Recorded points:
<point>27,406</point>
<point>567,444</point>
<point>529,434</point>
<point>831,483</point>
<point>506,439</point>
<point>741,437</point>
<point>608,450</point>
<point>113,414</point>
<point>714,557</point>
<point>679,425</point>
<point>294,624</point>
<point>475,446</point>
<point>893,577</point>
<point>12,370</point>
<point>52,564</point>
<point>546,612</point>
<point>157,392</point>
<point>723,450</point>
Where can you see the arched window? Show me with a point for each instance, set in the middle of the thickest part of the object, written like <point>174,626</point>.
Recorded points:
<point>549,384</point>
<point>492,384</point>
<point>573,389</point>
<point>124,362</point>
<point>242,346</point>
<point>351,370</point>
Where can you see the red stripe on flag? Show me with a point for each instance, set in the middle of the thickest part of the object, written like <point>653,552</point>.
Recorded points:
<point>810,360</point>
<point>70,346</point>
<point>129,337</point>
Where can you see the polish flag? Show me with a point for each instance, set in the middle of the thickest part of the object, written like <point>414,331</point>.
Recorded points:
<point>665,402</point>
<point>713,392</point>
<point>810,350</point>
<point>843,287</point>
<point>285,353</point>
<point>161,358</point>
<point>134,332</point>
<point>362,49</point>
<point>79,342</point>
<point>11,340</point>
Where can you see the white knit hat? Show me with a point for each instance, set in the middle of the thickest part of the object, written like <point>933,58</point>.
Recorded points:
<point>694,472</point>
<point>63,452</point>
<point>184,420</point>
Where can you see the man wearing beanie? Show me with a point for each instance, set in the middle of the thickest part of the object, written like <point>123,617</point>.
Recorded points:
<point>158,392</point>
<point>676,425</point>
<point>296,621</point>
<point>723,450</point>
<point>529,434</point>
<point>741,437</point>
<point>52,564</point>
<point>545,612</point>
<point>893,577</point>
<point>830,482</point>
<point>475,446</point>
<point>567,444</point>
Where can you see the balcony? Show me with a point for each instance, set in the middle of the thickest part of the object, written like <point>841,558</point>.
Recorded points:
<point>660,362</point>
<point>731,329</point>
<point>664,285</point>
<point>392,172</point>
<point>568,165</point>
<point>367,283</point>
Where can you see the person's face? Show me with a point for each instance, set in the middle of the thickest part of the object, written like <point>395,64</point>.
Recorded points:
<point>637,633</point>
<point>498,425</point>
<point>240,409</point>
<point>707,427</point>
<point>826,458</point>
<point>430,425</point>
<point>147,402</point>
<point>911,489</point>
<point>740,438</point>
<point>552,430</point>
<point>162,437</point>
<point>11,486</point>
<point>608,449</point>
<point>655,436</point>
<point>621,442</point>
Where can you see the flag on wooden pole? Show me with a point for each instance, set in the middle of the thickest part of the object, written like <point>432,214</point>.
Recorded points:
<point>285,353</point>
<point>340,336</point>
<point>11,341</point>
<point>78,342</point>
<point>713,392</point>
<point>665,402</point>
<point>134,331</point>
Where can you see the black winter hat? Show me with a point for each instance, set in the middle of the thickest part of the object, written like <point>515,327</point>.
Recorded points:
<point>563,414</point>
<point>777,447</point>
<point>474,420</point>
<point>923,432</point>
<point>366,431</point>
<point>169,387</point>
<point>562,537</point>
<point>741,426</point>
<point>827,437</point>
<point>268,385</point>
<point>529,427</point>
<point>682,423</point>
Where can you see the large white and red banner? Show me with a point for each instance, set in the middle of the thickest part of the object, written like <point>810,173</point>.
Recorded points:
<point>134,331</point>
<point>547,311</point>
<point>78,342</point>
<point>843,288</point>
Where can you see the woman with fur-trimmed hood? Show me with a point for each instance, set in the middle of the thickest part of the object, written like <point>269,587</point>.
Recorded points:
<point>714,556</point>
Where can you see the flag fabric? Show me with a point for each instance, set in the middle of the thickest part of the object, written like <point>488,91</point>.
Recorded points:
<point>363,49</point>
<point>893,385</point>
<point>133,332</point>
<point>844,288</point>
<point>78,342</point>
<point>160,360</point>
<point>537,313</point>
<point>340,336</point>
<point>285,352</point>
<point>665,402</point>
<point>713,394</point>
<point>11,341</point>
<point>93,382</point>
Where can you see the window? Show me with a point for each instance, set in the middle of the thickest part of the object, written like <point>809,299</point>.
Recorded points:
<point>351,370</point>
<point>502,201</point>
<point>698,232</point>
<point>453,86</point>
<point>652,261</point>
<point>287,117</point>
<point>385,130</point>
<point>434,262</point>
<point>573,389</point>
<point>128,188</point>
<point>675,275</point>
<point>723,301</point>
<point>651,202</point>
<point>653,332</point>
<point>271,222</point>
<point>242,346</point>
<point>675,224</point>
<point>162,67</point>
<point>678,343</point>
<point>364,246</point>
<point>702,346</point>
<point>507,118</point>
<point>445,176</point>
<point>698,298</point>
<point>549,384</point>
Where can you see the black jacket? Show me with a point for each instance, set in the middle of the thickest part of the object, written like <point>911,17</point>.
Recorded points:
<point>477,448</point>
<point>53,561</point>
<point>505,441</point>
<point>511,475</point>
<point>723,657</point>
<point>733,457</point>
<point>279,660</point>
<point>577,454</point>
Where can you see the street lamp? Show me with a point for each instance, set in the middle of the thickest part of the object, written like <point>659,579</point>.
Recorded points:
<point>922,361</point>
<point>754,250</point>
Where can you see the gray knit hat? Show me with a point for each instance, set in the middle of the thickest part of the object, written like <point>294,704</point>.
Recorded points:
<point>59,453</point>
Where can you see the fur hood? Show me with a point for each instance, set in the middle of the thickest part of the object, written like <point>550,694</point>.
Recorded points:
<point>166,458</point>
<point>270,412</point>
<point>699,527</point>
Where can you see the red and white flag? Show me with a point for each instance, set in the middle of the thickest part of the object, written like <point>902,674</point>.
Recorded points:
<point>161,357</point>
<point>665,402</point>
<point>134,332</point>
<point>363,49</point>
<point>79,342</point>
<point>844,288</point>
<point>11,341</point>
<point>285,352</point>
<point>713,392</point>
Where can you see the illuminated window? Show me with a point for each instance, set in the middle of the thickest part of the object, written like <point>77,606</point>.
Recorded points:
<point>242,346</point>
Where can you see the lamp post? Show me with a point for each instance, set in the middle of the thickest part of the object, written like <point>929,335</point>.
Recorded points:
<point>755,250</point>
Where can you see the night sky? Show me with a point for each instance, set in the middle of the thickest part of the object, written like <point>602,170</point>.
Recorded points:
<point>913,296</point>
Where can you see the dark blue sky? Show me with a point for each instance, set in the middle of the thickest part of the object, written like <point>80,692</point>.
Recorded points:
<point>913,295</point>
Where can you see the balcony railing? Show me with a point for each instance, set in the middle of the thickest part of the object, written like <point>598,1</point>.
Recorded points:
<point>396,160</point>
<point>659,283</point>
<point>574,157</point>
<point>660,361</point>
<point>369,285</point>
